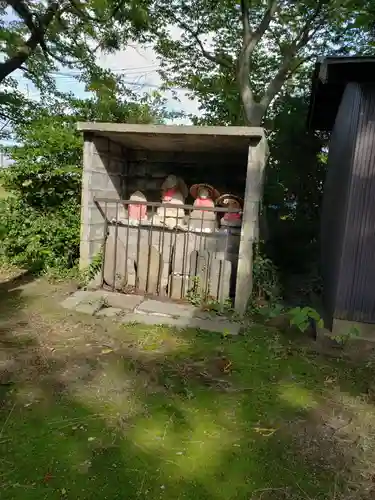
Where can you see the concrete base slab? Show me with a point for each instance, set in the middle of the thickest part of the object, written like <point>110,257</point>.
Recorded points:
<point>122,301</point>
<point>353,330</point>
<point>224,327</point>
<point>76,298</point>
<point>134,309</point>
<point>156,307</point>
<point>85,301</point>
<point>89,308</point>
<point>109,312</point>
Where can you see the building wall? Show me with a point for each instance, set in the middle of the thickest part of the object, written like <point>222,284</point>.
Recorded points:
<point>356,295</point>
<point>335,201</point>
<point>348,217</point>
<point>104,164</point>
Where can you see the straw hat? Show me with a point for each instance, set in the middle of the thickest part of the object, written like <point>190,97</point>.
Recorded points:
<point>173,181</point>
<point>225,198</point>
<point>212,192</point>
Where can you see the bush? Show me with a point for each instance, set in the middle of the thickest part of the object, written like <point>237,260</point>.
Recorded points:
<point>40,220</point>
<point>47,163</point>
<point>266,285</point>
<point>37,239</point>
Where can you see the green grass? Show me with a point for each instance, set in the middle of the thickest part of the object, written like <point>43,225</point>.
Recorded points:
<point>92,409</point>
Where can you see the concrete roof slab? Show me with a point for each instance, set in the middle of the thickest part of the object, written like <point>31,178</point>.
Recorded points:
<point>176,137</point>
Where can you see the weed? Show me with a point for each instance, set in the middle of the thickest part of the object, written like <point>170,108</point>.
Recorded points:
<point>302,317</point>
<point>344,338</point>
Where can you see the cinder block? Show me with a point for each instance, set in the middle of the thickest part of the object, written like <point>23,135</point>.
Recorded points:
<point>101,144</point>
<point>116,166</point>
<point>99,162</point>
<point>95,231</point>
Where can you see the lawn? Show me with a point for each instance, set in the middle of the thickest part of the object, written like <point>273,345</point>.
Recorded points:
<point>92,409</point>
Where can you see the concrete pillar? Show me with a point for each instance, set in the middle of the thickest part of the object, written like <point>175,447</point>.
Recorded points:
<point>257,157</point>
<point>84,258</point>
<point>102,177</point>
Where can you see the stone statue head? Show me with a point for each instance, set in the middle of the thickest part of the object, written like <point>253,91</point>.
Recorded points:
<point>137,196</point>
<point>174,182</point>
<point>204,191</point>
<point>170,182</point>
<point>230,201</point>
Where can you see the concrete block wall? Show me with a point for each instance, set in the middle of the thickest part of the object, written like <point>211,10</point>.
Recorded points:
<point>111,171</point>
<point>146,171</point>
<point>104,165</point>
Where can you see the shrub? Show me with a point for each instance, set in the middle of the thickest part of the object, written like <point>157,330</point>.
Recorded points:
<point>40,220</point>
<point>38,239</point>
<point>266,285</point>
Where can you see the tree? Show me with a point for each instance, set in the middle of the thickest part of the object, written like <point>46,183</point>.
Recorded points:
<point>37,34</point>
<point>236,57</point>
<point>40,220</point>
<point>39,37</point>
<point>257,46</point>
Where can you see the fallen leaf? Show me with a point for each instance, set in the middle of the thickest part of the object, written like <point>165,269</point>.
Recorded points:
<point>106,350</point>
<point>265,432</point>
<point>47,477</point>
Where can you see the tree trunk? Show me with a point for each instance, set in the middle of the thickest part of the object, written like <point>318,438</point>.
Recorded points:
<point>254,113</point>
<point>36,38</point>
<point>7,67</point>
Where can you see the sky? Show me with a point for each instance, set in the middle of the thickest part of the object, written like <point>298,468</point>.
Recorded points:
<point>139,66</point>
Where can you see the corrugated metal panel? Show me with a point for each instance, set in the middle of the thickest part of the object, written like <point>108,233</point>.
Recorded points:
<point>340,160</point>
<point>355,298</point>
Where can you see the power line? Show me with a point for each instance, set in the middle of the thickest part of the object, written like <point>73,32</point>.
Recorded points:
<point>70,77</point>
<point>149,69</point>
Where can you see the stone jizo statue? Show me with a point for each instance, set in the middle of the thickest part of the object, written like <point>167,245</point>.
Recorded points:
<point>173,192</point>
<point>205,196</point>
<point>137,213</point>
<point>233,202</point>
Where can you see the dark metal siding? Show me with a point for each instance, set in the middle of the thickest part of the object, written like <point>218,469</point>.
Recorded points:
<point>341,152</point>
<point>348,217</point>
<point>356,292</point>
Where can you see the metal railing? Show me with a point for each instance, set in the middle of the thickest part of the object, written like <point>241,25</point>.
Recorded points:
<point>168,250</point>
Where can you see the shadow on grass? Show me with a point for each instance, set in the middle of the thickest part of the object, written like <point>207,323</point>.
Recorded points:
<point>176,415</point>
<point>11,293</point>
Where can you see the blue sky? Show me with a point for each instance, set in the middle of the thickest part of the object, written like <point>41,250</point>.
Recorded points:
<point>138,65</point>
